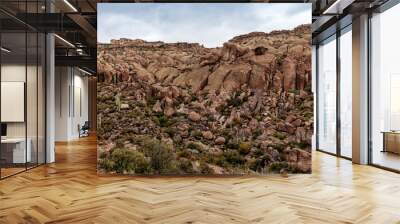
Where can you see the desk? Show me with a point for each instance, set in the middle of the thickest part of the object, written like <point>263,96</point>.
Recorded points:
<point>15,148</point>
<point>391,141</point>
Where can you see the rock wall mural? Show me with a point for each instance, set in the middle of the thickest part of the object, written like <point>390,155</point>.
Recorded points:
<point>181,108</point>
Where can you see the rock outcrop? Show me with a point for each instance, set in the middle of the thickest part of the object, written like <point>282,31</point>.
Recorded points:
<point>245,107</point>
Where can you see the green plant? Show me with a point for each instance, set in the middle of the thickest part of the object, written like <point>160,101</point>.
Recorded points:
<point>232,144</point>
<point>301,144</point>
<point>196,134</point>
<point>123,160</point>
<point>161,156</point>
<point>185,165</point>
<point>119,143</point>
<point>184,153</point>
<point>279,147</point>
<point>260,163</point>
<point>170,131</point>
<point>193,145</point>
<point>107,164</point>
<point>279,135</point>
<point>205,169</point>
<point>233,157</point>
<point>278,166</point>
<point>244,148</point>
<point>257,133</point>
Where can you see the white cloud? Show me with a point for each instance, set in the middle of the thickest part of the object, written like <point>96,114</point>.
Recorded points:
<point>207,24</point>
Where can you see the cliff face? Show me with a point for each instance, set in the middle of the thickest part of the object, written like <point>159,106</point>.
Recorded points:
<point>280,60</point>
<point>241,108</point>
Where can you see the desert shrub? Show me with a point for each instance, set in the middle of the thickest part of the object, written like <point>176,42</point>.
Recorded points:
<point>184,153</point>
<point>278,166</point>
<point>193,145</point>
<point>308,114</point>
<point>161,156</point>
<point>260,163</point>
<point>279,147</point>
<point>235,100</point>
<point>185,165</point>
<point>220,161</point>
<point>119,143</point>
<point>257,133</point>
<point>106,164</point>
<point>301,145</point>
<point>103,155</point>
<point>163,121</point>
<point>233,157</point>
<point>124,160</point>
<point>196,134</point>
<point>205,169</point>
<point>232,144</point>
<point>279,135</point>
<point>244,148</point>
<point>259,152</point>
<point>170,131</point>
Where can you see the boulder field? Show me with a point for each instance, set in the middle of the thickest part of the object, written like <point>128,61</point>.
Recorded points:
<point>181,108</point>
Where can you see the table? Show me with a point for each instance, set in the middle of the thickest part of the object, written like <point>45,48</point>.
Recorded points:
<point>13,150</point>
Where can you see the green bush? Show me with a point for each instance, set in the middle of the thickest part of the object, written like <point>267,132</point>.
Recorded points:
<point>278,166</point>
<point>107,164</point>
<point>161,156</point>
<point>279,135</point>
<point>232,144</point>
<point>185,165</point>
<point>170,131</point>
<point>205,169</point>
<point>244,148</point>
<point>260,163</point>
<point>279,147</point>
<point>233,157</point>
<point>301,145</point>
<point>184,153</point>
<point>123,160</point>
<point>193,145</point>
<point>119,143</point>
<point>196,134</point>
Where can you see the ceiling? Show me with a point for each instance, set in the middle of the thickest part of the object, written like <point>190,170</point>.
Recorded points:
<point>75,21</point>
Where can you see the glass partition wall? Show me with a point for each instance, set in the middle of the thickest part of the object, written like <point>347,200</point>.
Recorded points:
<point>345,90</point>
<point>334,105</point>
<point>327,95</point>
<point>22,77</point>
<point>385,89</point>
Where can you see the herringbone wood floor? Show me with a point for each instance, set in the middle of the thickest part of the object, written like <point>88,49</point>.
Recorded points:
<point>70,191</point>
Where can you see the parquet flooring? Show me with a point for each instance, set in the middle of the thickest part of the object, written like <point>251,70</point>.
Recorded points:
<point>69,191</point>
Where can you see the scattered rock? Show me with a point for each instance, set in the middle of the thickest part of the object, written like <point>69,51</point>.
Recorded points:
<point>208,135</point>
<point>193,116</point>
<point>220,141</point>
<point>124,106</point>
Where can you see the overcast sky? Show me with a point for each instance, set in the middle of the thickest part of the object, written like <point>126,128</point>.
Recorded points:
<point>207,24</point>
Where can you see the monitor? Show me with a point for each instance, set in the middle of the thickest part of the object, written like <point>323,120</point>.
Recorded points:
<point>3,129</point>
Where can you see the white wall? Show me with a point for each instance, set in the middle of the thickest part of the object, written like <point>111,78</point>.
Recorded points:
<point>71,102</point>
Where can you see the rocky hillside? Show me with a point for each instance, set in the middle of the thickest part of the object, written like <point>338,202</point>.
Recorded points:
<point>181,108</point>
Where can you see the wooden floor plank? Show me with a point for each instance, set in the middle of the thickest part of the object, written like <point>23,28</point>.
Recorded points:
<point>70,191</point>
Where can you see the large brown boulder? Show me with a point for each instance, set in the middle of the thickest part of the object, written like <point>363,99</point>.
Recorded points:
<point>289,74</point>
<point>196,79</point>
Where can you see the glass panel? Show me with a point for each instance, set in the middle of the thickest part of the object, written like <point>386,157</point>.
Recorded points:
<point>13,87</point>
<point>41,98</point>
<point>385,87</point>
<point>31,98</point>
<point>327,95</point>
<point>346,93</point>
